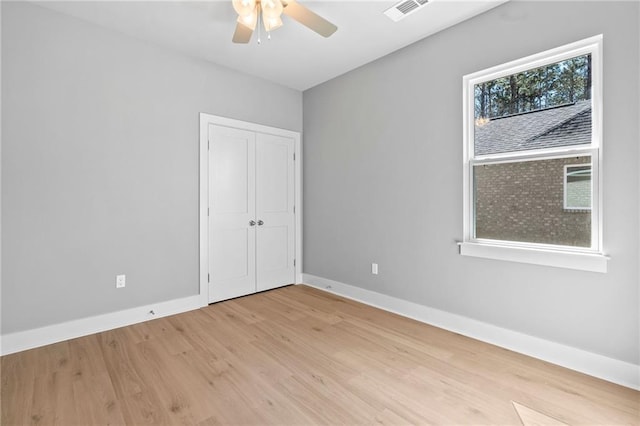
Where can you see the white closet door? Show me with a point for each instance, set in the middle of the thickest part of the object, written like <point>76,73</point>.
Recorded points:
<point>275,239</point>
<point>232,195</point>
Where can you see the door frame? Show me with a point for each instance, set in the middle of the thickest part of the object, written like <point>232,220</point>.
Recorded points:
<point>205,121</point>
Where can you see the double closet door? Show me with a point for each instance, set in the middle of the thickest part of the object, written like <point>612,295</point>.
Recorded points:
<point>251,212</point>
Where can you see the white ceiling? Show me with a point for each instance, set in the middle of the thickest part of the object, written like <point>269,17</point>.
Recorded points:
<point>295,56</point>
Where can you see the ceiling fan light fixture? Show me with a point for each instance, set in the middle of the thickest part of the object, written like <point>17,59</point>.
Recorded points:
<point>244,7</point>
<point>272,9</point>
<point>271,24</point>
<point>249,21</point>
<point>249,12</point>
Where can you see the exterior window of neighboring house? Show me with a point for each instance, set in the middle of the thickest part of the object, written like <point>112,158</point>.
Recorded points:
<point>532,159</point>
<point>577,187</point>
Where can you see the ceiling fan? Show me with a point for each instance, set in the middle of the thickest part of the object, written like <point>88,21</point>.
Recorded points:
<point>250,12</point>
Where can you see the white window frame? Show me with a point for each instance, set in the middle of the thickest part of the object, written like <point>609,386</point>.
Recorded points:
<point>588,259</point>
<point>564,188</point>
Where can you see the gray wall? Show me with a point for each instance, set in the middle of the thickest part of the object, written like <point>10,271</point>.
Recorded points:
<point>100,164</point>
<point>383,179</point>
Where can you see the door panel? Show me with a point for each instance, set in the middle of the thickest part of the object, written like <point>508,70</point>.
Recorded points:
<point>232,193</point>
<point>273,185</point>
<point>275,238</point>
<point>230,174</point>
<point>232,241</point>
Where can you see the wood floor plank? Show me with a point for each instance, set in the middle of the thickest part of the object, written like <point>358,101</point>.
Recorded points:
<point>300,356</point>
<point>86,358</point>
<point>17,388</point>
<point>100,403</point>
<point>53,400</point>
<point>143,408</point>
<point>117,353</point>
<point>317,394</point>
<point>156,363</point>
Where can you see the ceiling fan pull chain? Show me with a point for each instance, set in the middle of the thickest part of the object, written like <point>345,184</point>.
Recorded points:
<point>259,10</point>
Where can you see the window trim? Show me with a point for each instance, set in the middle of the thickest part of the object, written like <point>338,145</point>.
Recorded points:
<point>588,259</point>
<point>564,187</point>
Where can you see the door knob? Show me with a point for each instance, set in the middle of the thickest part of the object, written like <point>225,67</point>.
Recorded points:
<point>252,222</point>
<point>260,222</point>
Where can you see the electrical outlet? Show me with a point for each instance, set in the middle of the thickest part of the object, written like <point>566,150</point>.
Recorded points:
<point>120,281</point>
<point>374,268</point>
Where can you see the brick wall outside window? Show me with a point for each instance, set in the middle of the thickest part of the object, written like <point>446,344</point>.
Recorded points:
<point>524,201</point>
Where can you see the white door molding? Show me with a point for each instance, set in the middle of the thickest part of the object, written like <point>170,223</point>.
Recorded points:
<point>207,120</point>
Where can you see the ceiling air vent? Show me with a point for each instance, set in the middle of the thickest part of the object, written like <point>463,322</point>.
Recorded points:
<point>404,8</point>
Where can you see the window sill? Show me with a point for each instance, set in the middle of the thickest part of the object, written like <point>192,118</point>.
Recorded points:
<point>560,259</point>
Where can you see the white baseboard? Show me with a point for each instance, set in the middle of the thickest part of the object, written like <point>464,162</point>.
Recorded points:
<point>612,370</point>
<point>29,339</point>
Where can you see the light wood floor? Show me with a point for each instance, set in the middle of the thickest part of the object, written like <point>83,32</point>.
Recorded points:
<point>296,355</point>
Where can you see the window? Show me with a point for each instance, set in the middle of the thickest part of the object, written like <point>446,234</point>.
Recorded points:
<point>577,187</point>
<point>532,156</point>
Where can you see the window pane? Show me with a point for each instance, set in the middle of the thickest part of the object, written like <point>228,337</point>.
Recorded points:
<point>525,202</point>
<point>543,107</point>
<point>577,188</point>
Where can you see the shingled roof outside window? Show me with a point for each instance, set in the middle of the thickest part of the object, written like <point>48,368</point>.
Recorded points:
<point>564,125</point>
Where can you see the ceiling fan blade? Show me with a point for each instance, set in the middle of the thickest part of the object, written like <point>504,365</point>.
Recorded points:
<point>242,34</point>
<point>308,18</point>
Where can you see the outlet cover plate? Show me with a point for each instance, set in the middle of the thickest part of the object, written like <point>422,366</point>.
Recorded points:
<point>120,281</point>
